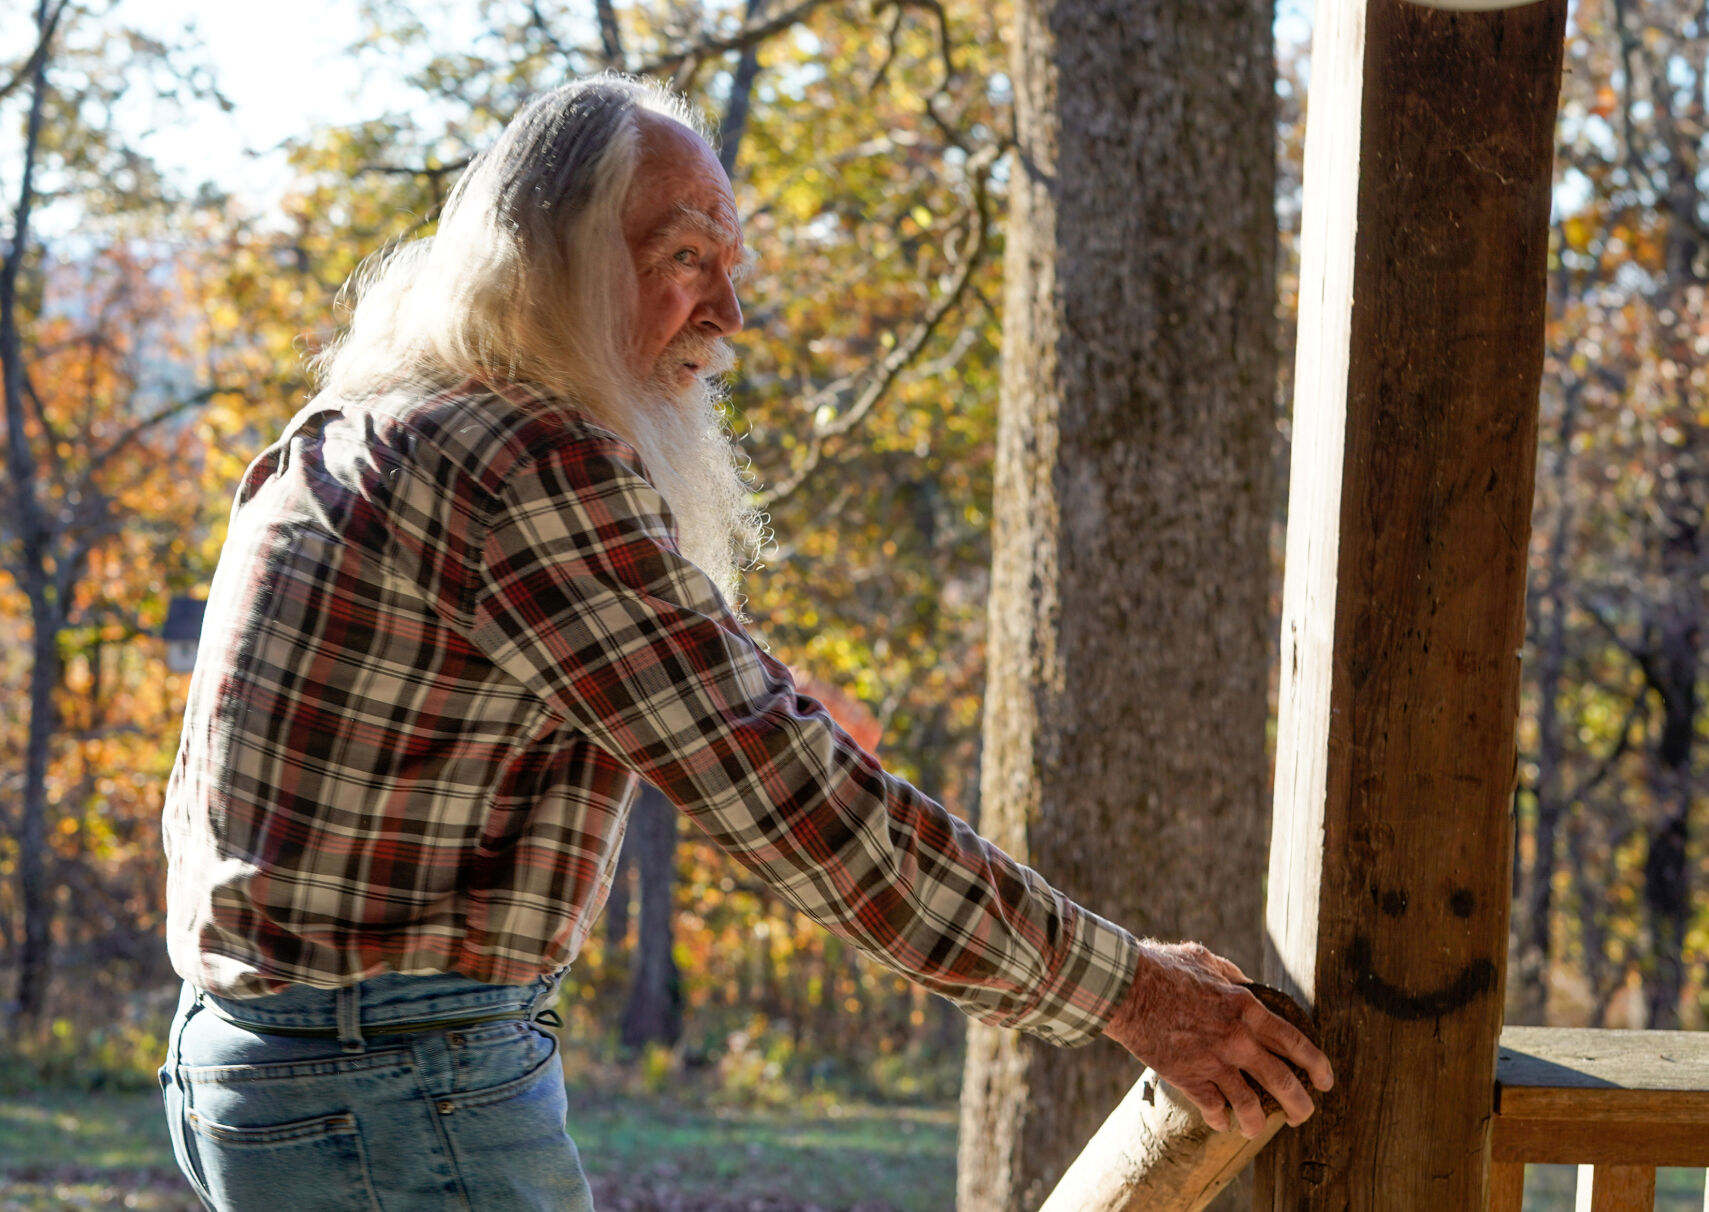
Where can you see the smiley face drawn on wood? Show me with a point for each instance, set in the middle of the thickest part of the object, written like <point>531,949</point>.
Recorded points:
<point>1473,980</point>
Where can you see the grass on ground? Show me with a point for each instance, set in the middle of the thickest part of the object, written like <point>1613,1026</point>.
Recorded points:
<point>68,1149</point>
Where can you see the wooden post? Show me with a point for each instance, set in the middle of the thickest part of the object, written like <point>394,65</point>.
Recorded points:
<point>1428,172</point>
<point>1616,1189</point>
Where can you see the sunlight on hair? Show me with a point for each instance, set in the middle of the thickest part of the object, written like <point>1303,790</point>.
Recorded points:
<point>528,280</point>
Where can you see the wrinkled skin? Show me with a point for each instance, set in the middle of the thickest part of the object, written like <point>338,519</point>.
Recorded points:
<point>679,221</point>
<point>1187,1016</point>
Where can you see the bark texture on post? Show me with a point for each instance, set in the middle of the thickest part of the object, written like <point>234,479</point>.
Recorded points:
<point>1124,734</point>
<point>1428,171</point>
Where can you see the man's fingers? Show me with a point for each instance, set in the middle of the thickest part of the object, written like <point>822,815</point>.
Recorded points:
<point>1281,1036</point>
<point>1248,1111</point>
<point>1210,1102</point>
<point>1279,1080</point>
<point>1226,968</point>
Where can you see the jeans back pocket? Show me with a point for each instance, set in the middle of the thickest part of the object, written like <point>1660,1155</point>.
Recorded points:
<point>308,1165</point>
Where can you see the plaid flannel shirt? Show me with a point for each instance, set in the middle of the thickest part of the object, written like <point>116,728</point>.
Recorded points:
<point>449,631</point>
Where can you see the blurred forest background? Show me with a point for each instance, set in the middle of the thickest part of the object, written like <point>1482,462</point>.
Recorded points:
<point>154,329</point>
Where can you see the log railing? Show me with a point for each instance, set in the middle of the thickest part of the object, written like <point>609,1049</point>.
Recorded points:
<point>1615,1103</point>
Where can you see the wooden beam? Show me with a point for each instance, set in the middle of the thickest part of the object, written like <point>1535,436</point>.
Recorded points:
<point>1427,190</point>
<point>1569,1095</point>
<point>1507,1187</point>
<point>1616,1189</point>
<point>1155,1153</point>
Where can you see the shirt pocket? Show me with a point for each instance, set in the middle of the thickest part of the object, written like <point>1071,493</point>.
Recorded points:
<point>307,1165</point>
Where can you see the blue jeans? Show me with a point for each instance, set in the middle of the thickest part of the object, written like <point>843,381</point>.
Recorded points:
<point>391,1099</point>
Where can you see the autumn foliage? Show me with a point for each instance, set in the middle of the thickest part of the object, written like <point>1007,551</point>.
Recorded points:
<point>160,337</point>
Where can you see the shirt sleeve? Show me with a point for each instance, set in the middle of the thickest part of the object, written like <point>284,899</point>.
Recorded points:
<point>582,597</point>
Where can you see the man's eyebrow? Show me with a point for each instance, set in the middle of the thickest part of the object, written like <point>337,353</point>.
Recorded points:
<point>688,219</point>
<point>685,217</point>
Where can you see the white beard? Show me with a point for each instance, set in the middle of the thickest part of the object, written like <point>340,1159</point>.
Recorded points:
<point>695,462</point>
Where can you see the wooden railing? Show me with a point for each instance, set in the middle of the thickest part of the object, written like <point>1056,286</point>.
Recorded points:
<point>1615,1103</point>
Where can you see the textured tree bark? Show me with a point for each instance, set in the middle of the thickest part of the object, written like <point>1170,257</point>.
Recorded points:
<point>1670,659</point>
<point>1424,246</point>
<point>1124,731</point>
<point>1548,629</point>
<point>653,1013</point>
<point>34,569</point>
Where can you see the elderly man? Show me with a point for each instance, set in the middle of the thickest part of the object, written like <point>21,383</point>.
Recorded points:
<point>479,588</point>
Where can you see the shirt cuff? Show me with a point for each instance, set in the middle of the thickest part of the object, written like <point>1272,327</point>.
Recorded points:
<point>1093,978</point>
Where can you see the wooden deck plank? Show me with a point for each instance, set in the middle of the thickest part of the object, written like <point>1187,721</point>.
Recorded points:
<point>1585,1058</point>
<point>1568,1095</point>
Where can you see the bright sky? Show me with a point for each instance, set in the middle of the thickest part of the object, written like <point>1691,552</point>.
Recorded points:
<point>287,69</point>
<point>283,66</point>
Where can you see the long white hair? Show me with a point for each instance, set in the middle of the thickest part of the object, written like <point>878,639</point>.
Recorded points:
<point>528,279</point>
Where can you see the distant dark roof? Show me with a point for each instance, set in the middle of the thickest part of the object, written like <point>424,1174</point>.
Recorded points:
<point>184,619</point>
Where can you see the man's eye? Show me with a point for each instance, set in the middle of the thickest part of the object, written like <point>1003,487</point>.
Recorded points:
<point>684,256</point>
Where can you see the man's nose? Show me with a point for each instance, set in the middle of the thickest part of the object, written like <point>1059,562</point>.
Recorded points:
<point>720,312</point>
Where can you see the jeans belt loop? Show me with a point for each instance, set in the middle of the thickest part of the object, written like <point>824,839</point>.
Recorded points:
<point>548,995</point>
<point>349,1012</point>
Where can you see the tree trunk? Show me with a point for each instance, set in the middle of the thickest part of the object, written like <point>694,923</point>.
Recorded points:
<point>1125,709</point>
<point>735,123</point>
<point>1535,952</point>
<point>617,904</point>
<point>30,569</point>
<point>653,1013</point>
<point>1671,667</point>
<point>34,894</point>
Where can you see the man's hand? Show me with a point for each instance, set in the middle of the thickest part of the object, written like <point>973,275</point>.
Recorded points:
<point>1188,1017</point>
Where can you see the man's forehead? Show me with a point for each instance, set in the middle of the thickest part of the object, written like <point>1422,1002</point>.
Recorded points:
<point>679,185</point>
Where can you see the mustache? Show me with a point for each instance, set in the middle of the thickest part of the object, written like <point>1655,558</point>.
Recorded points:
<point>710,356</point>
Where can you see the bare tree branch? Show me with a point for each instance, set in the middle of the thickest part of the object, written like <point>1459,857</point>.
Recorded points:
<point>890,48</point>
<point>748,35</point>
<point>432,172</point>
<point>144,424</point>
<point>38,55</point>
<point>49,430</point>
<point>610,35</point>
<point>537,21</point>
<point>1622,744</point>
<point>735,123</point>
<point>903,353</point>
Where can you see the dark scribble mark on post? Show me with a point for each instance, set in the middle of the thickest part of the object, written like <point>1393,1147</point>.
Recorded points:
<point>1474,980</point>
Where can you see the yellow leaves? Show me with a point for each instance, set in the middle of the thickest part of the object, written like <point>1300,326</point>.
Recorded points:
<point>800,200</point>
<point>1578,231</point>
